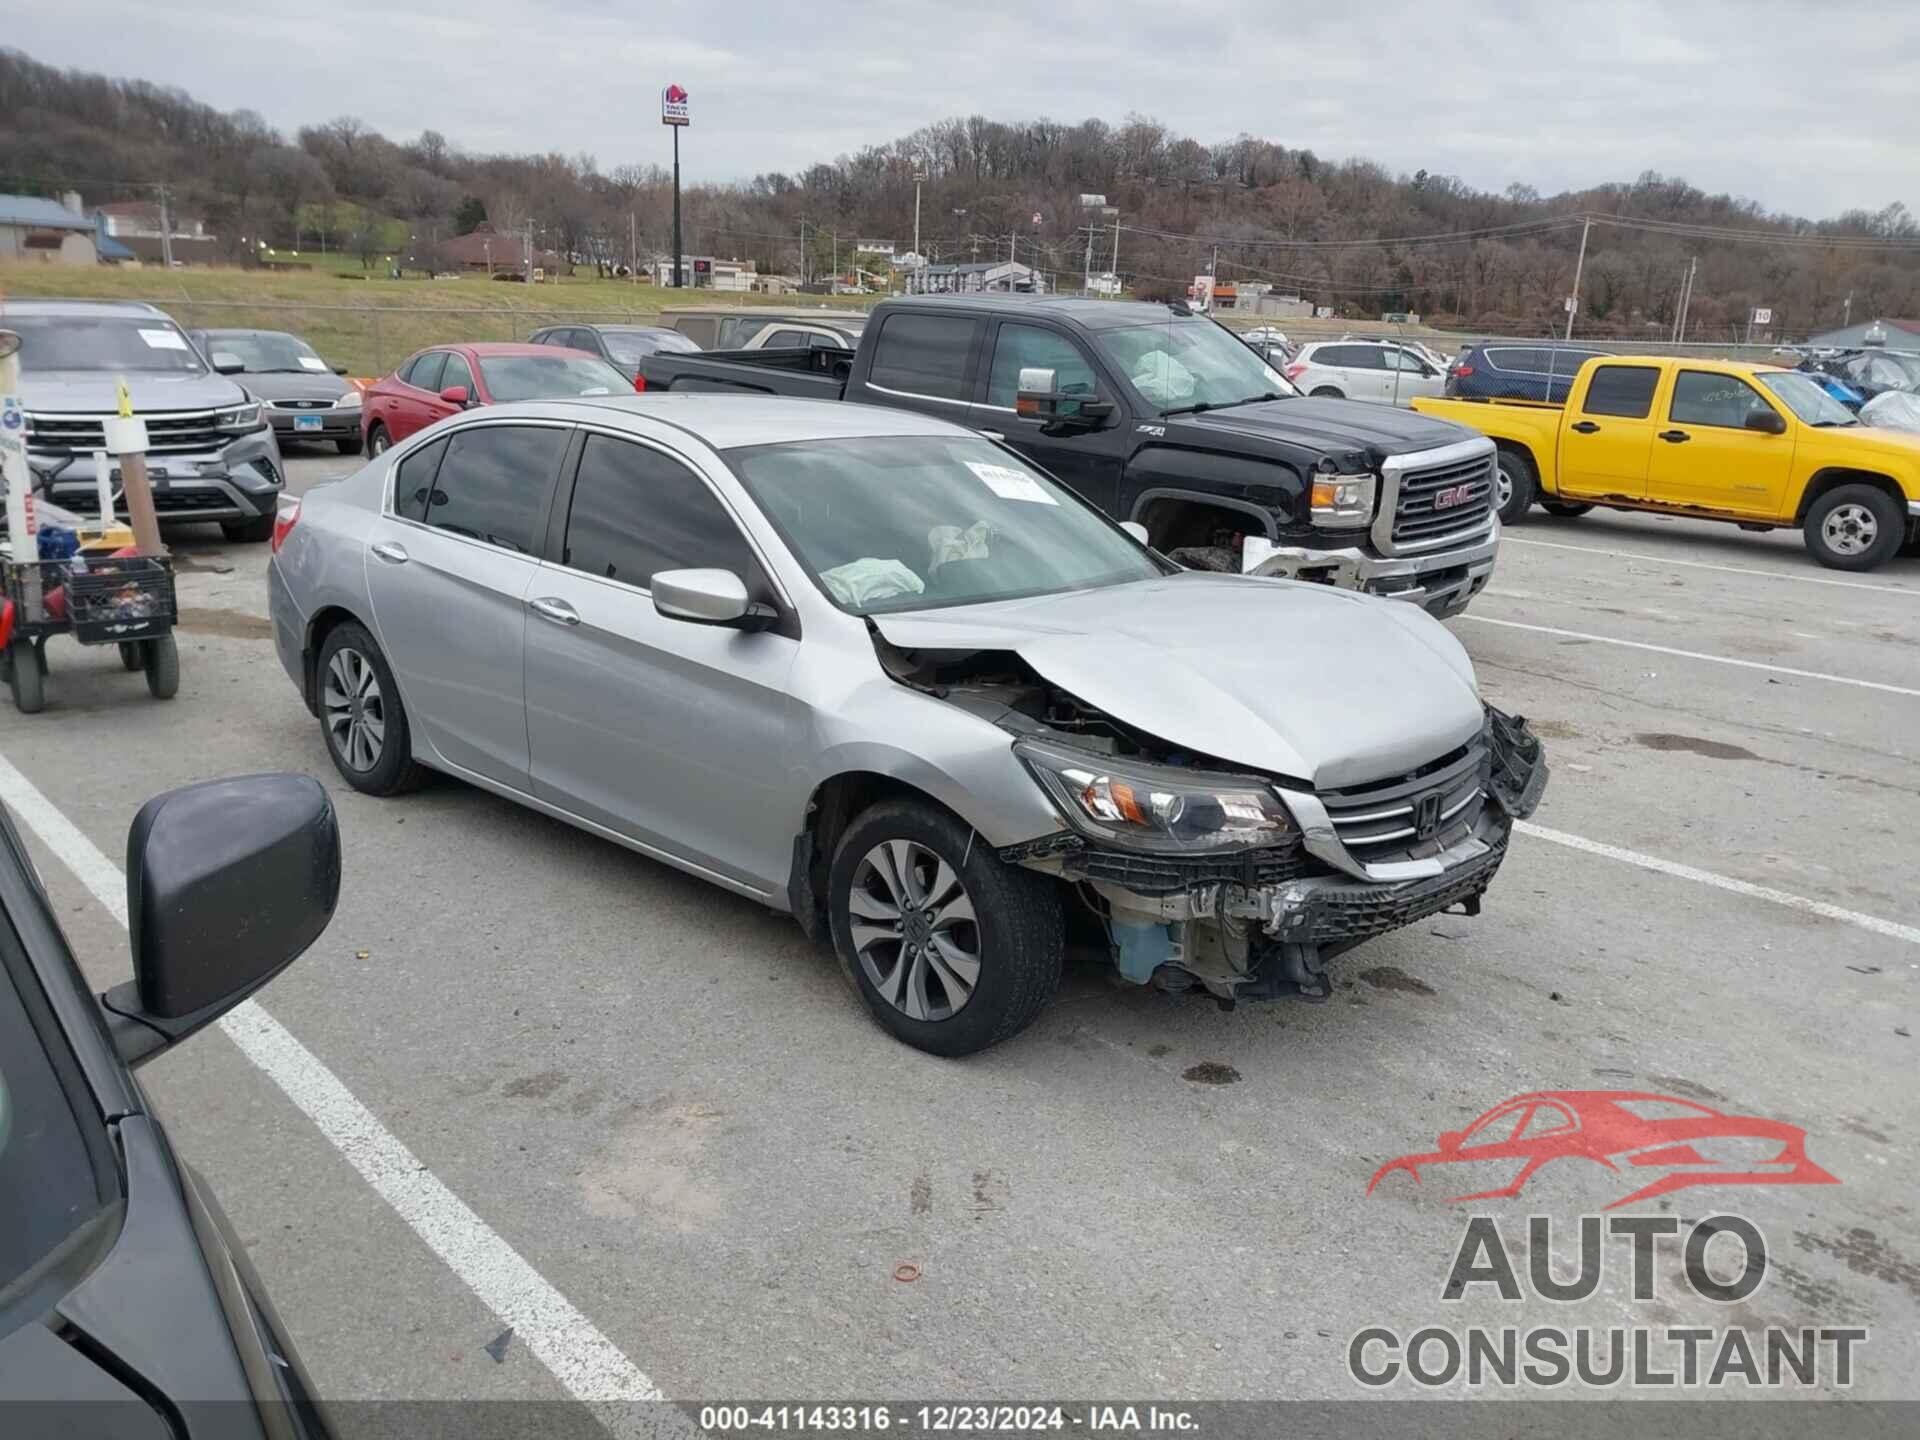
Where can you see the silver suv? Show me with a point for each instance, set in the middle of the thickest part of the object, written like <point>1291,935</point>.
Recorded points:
<point>212,457</point>
<point>870,668</point>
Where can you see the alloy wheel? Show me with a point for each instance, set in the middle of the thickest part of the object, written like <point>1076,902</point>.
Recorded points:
<point>1850,529</point>
<point>914,930</point>
<point>1502,487</point>
<point>356,711</point>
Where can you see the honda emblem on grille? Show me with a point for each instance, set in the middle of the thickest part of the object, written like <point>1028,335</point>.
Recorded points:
<point>1453,495</point>
<point>1426,815</point>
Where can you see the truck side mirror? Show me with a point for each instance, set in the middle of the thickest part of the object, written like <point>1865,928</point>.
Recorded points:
<point>228,882</point>
<point>1767,421</point>
<point>1039,399</point>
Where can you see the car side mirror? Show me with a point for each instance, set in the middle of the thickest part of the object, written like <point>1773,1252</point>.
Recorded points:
<point>1450,1141</point>
<point>338,369</point>
<point>1137,530</point>
<point>225,362</point>
<point>455,394</point>
<point>228,882</point>
<point>1767,422</point>
<point>708,597</point>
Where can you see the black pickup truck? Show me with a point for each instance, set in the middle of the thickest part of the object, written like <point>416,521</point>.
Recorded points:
<point>1165,418</point>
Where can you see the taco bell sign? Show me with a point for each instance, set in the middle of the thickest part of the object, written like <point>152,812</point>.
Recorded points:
<point>673,107</point>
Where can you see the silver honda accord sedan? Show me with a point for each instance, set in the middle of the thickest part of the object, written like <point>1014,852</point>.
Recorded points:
<point>873,669</point>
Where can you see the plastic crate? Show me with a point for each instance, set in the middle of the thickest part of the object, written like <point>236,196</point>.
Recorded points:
<point>121,598</point>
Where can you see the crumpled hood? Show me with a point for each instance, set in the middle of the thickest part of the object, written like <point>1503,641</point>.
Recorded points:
<point>1327,686</point>
<point>1333,426</point>
<point>93,392</point>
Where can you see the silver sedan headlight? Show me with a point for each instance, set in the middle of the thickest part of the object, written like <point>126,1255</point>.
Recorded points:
<point>1165,808</point>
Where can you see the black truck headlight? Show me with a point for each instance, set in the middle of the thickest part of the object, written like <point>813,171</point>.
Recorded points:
<point>1170,809</point>
<point>1342,502</point>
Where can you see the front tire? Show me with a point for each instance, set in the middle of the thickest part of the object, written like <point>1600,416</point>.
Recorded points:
<point>1855,527</point>
<point>1515,485</point>
<point>952,949</point>
<point>1327,392</point>
<point>130,657</point>
<point>248,532</point>
<point>378,440</point>
<point>1565,509</point>
<point>162,662</point>
<point>27,677</point>
<point>361,716</point>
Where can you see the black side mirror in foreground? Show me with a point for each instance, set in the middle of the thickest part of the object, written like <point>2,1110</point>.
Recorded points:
<point>228,882</point>
<point>1767,422</point>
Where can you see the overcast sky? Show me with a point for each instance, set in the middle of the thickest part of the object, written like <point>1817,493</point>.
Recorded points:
<point>1807,108</point>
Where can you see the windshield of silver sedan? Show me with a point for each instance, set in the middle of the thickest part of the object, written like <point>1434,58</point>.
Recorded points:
<point>917,522</point>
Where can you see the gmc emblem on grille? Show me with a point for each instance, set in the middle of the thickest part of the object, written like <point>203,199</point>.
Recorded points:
<point>1426,816</point>
<point>1453,495</point>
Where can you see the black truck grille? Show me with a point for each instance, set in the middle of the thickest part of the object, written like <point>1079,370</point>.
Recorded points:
<point>179,432</point>
<point>1444,501</point>
<point>1416,815</point>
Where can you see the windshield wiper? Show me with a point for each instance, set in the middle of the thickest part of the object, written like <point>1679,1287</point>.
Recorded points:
<point>1204,405</point>
<point>1834,424</point>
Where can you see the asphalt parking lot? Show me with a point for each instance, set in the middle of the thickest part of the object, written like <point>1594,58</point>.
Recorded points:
<point>668,1105</point>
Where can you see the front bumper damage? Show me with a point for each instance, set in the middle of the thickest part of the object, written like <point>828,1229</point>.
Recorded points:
<point>1439,582</point>
<point>1264,925</point>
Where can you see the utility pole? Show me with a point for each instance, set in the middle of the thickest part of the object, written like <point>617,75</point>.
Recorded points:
<point>529,252</point>
<point>1578,265</point>
<point>1686,298</point>
<point>166,229</point>
<point>919,174</point>
<point>1847,310</point>
<point>633,248</point>
<point>1116,254</point>
<point>1086,276</point>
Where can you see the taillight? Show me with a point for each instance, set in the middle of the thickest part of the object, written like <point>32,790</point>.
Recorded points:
<point>6,623</point>
<point>1295,370</point>
<point>639,383</point>
<point>284,519</point>
<point>1461,370</point>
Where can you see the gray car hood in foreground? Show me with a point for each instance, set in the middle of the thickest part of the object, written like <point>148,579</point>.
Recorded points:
<point>1305,681</point>
<point>95,392</point>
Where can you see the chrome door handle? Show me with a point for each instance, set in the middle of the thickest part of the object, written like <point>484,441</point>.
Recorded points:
<point>558,611</point>
<point>388,551</point>
<point>993,435</point>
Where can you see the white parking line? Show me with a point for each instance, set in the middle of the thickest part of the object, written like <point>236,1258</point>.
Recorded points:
<point>1508,538</point>
<point>1893,929</point>
<point>586,1362</point>
<point>1694,655</point>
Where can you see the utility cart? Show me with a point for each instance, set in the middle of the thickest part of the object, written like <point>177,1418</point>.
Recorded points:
<point>117,599</point>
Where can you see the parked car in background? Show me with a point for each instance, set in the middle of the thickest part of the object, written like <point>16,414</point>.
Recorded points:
<point>1508,370</point>
<point>1383,372</point>
<point>1164,418</point>
<point>621,346</point>
<point>128,1305</point>
<point>1717,439</point>
<point>733,327</point>
<point>446,379</point>
<point>871,668</point>
<point>305,397</point>
<point>210,449</point>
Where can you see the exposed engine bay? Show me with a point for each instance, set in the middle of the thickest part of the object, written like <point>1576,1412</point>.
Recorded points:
<point>1248,921</point>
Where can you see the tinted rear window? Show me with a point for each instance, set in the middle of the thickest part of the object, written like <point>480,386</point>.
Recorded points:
<point>1624,390</point>
<point>493,481</point>
<point>924,355</point>
<point>1540,360</point>
<point>413,480</point>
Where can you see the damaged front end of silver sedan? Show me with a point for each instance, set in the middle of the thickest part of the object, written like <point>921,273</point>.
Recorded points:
<point>1205,876</point>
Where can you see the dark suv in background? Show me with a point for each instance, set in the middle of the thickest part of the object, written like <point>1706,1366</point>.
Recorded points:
<point>211,453</point>
<point>1517,370</point>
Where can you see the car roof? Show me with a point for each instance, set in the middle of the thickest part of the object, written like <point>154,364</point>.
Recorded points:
<point>484,348</point>
<point>1092,314</point>
<point>127,309</point>
<point>730,422</point>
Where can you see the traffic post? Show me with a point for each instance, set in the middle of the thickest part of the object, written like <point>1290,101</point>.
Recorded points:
<point>126,435</point>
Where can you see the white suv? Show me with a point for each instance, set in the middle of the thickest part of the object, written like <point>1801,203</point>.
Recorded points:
<point>1381,371</point>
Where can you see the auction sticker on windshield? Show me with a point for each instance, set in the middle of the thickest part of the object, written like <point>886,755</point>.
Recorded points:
<point>163,340</point>
<point>1010,484</point>
<point>312,362</point>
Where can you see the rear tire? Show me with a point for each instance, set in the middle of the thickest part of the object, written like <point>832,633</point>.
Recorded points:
<point>1855,527</point>
<point>26,677</point>
<point>130,656</point>
<point>1515,485</point>
<point>362,718</point>
<point>248,532</point>
<point>1565,509</point>
<point>162,660</point>
<point>352,446</point>
<point>994,935</point>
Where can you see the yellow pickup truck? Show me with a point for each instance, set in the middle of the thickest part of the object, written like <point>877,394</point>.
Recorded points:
<point>1753,444</point>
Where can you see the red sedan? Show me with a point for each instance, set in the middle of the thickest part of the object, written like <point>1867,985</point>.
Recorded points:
<point>447,379</point>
